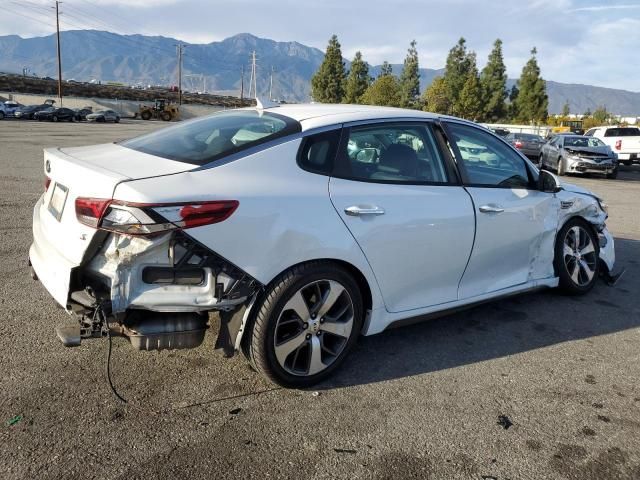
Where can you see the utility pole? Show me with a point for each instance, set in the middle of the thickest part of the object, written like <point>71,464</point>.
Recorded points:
<point>180,47</point>
<point>58,46</point>
<point>273,69</point>
<point>242,83</point>
<point>253,83</point>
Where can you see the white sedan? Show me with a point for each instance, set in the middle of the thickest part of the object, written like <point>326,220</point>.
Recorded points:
<point>304,226</point>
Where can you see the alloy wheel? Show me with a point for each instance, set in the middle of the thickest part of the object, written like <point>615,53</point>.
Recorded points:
<point>313,328</point>
<point>580,256</point>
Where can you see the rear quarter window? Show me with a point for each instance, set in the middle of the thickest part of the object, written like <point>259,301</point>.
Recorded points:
<point>318,152</point>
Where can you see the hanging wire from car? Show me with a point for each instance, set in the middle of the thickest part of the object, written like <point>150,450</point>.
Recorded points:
<point>102,319</point>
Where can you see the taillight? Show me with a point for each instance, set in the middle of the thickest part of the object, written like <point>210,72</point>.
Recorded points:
<point>47,182</point>
<point>518,144</point>
<point>147,219</point>
<point>89,210</point>
<point>619,144</point>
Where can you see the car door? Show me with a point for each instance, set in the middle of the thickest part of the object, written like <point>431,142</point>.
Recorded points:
<point>398,194</point>
<point>515,222</point>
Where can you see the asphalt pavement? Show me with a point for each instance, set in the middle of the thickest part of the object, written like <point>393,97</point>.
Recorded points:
<point>539,386</point>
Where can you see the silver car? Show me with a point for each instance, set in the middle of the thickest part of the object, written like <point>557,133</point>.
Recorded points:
<point>104,116</point>
<point>578,154</point>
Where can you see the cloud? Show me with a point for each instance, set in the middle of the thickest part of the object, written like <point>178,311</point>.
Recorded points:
<point>586,41</point>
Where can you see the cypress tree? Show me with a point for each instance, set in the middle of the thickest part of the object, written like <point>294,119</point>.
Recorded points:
<point>436,97</point>
<point>493,81</point>
<point>327,84</point>
<point>513,108</point>
<point>532,102</point>
<point>386,69</point>
<point>358,80</point>
<point>566,110</point>
<point>410,78</point>
<point>456,72</point>
<point>469,103</point>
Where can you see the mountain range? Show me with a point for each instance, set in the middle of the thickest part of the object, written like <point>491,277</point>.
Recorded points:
<point>216,66</point>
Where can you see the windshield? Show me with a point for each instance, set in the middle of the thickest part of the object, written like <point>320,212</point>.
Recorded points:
<point>583,142</point>
<point>207,139</point>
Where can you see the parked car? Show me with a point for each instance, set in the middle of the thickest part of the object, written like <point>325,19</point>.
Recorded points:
<point>503,132</point>
<point>578,154</point>
<point>104,116</point>
<point>528,143</point>
<point>624,141</point>
<point>28,112</point>
<point>305,226</point>
<point>54,114</point>
<point>8,108</point>
<point>81,113</point>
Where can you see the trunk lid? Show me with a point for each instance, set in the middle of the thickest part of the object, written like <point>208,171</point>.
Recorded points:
<point>88,172</point>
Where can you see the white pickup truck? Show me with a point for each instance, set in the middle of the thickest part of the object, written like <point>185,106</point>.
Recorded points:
<point>624,141</point>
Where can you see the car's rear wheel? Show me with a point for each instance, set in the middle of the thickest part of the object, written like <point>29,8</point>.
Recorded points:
<point>54,118</point>
<point>577,257</point>
<point>308,320</point>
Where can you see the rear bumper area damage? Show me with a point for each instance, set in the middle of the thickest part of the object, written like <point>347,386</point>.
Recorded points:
<point>156,291</point>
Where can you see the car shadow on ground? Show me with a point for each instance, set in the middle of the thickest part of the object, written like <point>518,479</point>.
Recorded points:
<point>498,329</point>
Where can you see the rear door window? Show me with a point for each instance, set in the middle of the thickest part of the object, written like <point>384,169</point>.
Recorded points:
<point>392,153</point>
<point>204,140</point>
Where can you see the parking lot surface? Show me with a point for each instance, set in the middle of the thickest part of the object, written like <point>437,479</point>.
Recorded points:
<point>432,400</point>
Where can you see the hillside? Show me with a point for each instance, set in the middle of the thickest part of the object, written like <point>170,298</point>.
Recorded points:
<point>132,59</point>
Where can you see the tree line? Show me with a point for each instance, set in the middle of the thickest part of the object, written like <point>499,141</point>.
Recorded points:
<point>462,90</point>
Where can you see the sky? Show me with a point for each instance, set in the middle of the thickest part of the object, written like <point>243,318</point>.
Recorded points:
<point>593,42</point>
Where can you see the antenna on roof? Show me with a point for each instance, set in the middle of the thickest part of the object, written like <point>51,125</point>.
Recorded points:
<point>262,104</point>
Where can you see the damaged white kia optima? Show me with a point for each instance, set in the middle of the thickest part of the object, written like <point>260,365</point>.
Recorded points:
<point>304,226</point>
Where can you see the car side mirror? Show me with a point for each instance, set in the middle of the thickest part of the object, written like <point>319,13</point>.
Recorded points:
<point>548,182</point>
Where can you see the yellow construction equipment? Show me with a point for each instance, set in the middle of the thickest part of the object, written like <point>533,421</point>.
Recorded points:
<point>573,126</point>
<point>161,109</point>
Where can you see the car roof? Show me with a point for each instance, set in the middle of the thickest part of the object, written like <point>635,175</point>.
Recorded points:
<point>317,115</point>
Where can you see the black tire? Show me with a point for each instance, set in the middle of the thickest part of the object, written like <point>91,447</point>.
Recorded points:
<point>541,162</point>
<point>627,163</point>
<point>613,175</point>
<point>146,115</point>
<point>1,115</point>
<point>117,120</point>
<point>166,116</point>
<point>567,284</point>
<point>260,335</point>
<point>54,118</point>
<point>560,168</point>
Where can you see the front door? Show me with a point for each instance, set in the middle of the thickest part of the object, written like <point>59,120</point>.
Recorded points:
<point>515,222</point>
<point>405,208</point>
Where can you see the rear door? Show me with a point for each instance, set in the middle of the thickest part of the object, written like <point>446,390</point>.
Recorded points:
<point>401,200</point>
<point>515,222</point>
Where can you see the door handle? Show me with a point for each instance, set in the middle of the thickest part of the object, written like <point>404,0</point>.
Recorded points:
<point>491,208</point>
<point>356,211</point>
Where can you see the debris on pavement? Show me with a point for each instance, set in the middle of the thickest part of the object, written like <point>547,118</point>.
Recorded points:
<point>235,411</point>
<point>344,450</point>
<point>14,420</point>
<point>504,421</point>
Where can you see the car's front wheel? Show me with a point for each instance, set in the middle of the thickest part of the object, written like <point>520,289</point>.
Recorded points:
<point>560,168</point>
<point>576,259</point>
<point>308,320</point>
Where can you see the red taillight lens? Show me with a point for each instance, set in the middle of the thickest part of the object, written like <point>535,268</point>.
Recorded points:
<point>148,219</point>
<point>47,182</point>
<point>89,211</point>
<point>196,215</point>
<point>518,144</point>
<point>618,144</point>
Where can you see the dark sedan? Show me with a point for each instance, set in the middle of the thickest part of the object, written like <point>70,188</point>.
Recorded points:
<point>28,112</point>
<point>56,115</point>
<point>578,154</point>
<point>527,143</point>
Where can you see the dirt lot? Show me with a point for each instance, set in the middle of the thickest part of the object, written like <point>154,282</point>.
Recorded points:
<point>418,402</point>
